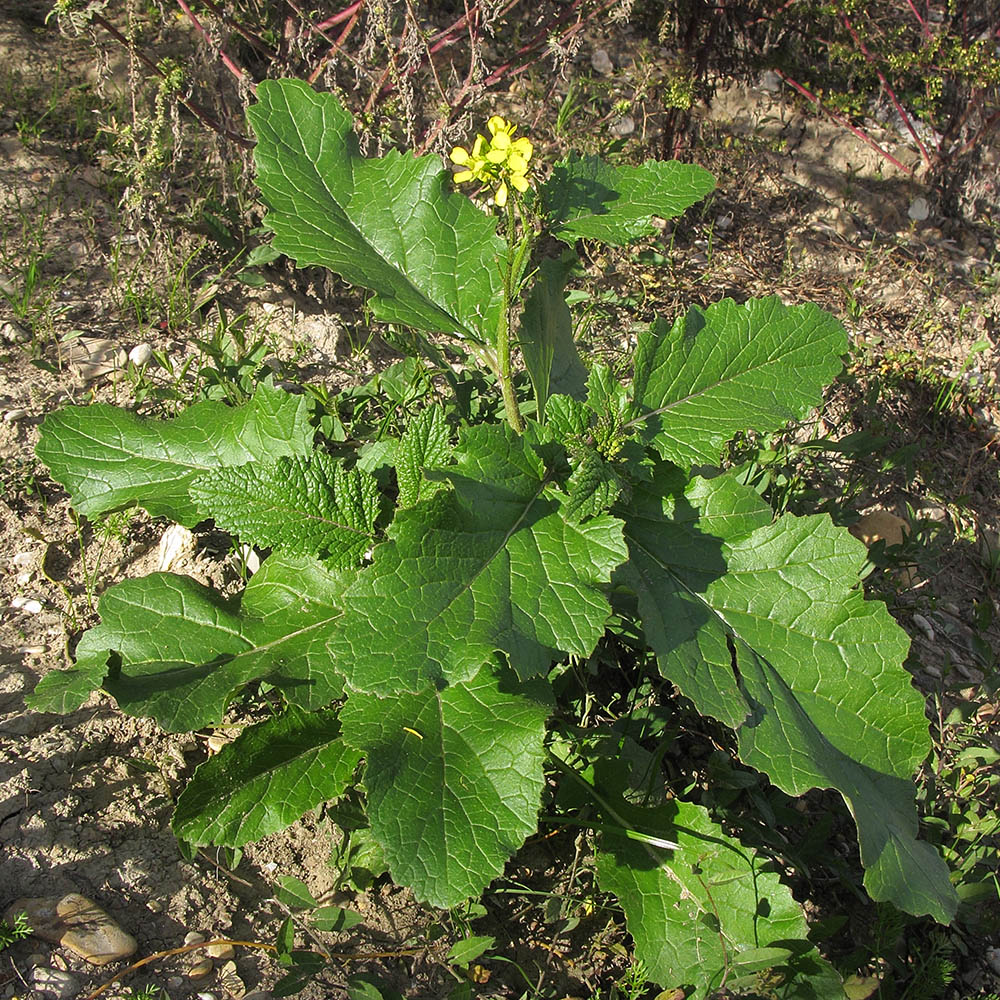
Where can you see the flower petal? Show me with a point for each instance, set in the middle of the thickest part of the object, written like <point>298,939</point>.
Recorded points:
<point>460,155</point>
<point>500,198</point>
<point>523,147</point>
<point>519,181</point>
<point>462,176</point>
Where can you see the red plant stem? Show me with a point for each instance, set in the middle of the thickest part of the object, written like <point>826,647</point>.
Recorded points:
<point>199,112</point>
<point>924,27</point>
<point>226,61</point>
<point>907,121</point>
<point>843,122</point>
<point>336,45</point>
<point>255,40</point>
<point>332,22</point>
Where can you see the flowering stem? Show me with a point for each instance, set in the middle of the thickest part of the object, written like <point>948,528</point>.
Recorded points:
<point>511,409</point>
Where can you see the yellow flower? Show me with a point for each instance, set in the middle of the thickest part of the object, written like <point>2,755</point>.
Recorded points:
<point>499,160</point>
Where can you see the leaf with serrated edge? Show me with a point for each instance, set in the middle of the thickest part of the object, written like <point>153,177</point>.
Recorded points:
<point>309,506</point>
<point>109,459</point>
<point>453,778</point>
<point>586,197</point>
<point>390,224</point>
<point>489,565</point>
<point>692,911</point>
<point>763,625</point>
<point>732,368</point>
<point>184,650</point>
<point>424,445</point>
<point>263,781</point>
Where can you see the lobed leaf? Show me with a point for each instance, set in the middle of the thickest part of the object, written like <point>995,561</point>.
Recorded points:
<point>489,565</point>
<point>178,652</point>
<point>586,197</point>
<point>108,458</point>
<point>764,626</point>
<point>732,368</point>
<point>263,781</point>
<point>309,506</point>
<point>389,224</point>
<point>453,779</point>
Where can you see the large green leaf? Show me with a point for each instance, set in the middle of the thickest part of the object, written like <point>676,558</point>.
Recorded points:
<point>586,197</point>
<point>390,224</point>
<point>310,506</point>
<point>489,565</point>
<point>703,912</point>
<point>263,781</point>
<point>108,458</point>
<point>764,625</point>
<point>453,778</point>
<point>732,368</point>
<point>178,652</point>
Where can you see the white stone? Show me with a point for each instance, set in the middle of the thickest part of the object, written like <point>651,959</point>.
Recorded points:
<point>919,209</point>
<point>925,626</point>
<point>176,542</point>
<point>601,62</point>
<point>141,355</point>
<point>26,604</point>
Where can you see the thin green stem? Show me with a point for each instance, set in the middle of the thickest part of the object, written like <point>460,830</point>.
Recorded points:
<point>504,374</point>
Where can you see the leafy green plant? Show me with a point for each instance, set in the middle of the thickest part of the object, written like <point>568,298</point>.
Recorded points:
<point>17,931</point>
<point>436,589</point>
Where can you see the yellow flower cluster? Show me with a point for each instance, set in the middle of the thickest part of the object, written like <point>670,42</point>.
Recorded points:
<point>499,160</point>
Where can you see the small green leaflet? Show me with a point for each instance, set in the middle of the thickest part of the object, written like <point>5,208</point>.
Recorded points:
<point>263,781</point>
<point>732,368</point>
<point>454,779</point>
<point>424,445</point>
<point>308,506</point>
<point>392,225</point>
<point>109,459</point>
<point>586,197</point>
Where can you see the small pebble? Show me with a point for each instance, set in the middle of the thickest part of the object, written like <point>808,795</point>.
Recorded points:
<point>919,210</point>
<point>201,969</point>
<point>26,604</point>
<point>993,958</point>
<point>140,355</point>
<point>925,626</point>
<point>622,126</point>
<point>11,415</point>
<point>601,62</point>
<point>175,982</point>
<point>724,222</point>
<point>206,996</point>
<point>193,937</point>
<point>933,670</point>
<point>55,982</point>
<point>221,950</point>
<point>154,906</point>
